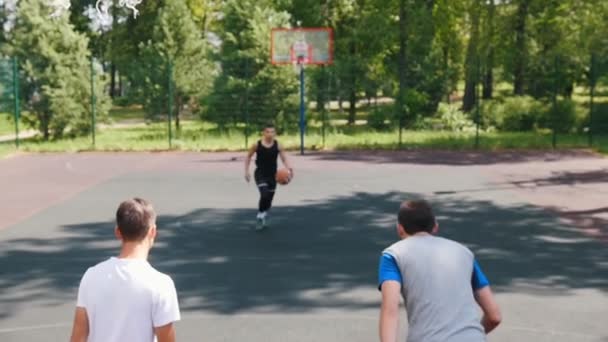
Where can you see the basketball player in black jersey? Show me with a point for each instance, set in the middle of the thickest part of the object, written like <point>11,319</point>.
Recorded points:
<point>267,150</point>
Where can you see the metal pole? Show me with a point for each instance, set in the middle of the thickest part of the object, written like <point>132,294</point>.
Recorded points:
<point>247,104</point>
<point>16,113</point>
<point>591,98</point>
<point>170,102</point>
<point>302,109</point>
<point>477,102</point>
<point>401,131</point>
<point>328,108</point>
<point>93,101</point>
<point>555,91</point>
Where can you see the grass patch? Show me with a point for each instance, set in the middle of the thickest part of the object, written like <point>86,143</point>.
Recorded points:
<point>199,136</point>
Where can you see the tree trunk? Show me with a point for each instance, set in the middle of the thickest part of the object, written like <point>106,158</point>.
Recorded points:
<point>446,67</point>
<point>45,121</point>
<point>488,79</point>
<point>120,86</point>
<point>177,110</point>
<point>112,80</point>
<point>352,110</point>
<point>520,47</point>
<point>472,61</point>
<point>402,67</point>
<point>321,96</point>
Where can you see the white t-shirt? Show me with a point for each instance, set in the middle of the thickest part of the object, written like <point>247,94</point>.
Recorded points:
<point>126,299</point>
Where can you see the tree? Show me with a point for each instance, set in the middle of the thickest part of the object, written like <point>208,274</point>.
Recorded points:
<point>176,42</point>
<point>248,84</point>
<point>127,42</point>
<point>56,62</point>
<point>489,50</point>
<point>521,42</point>
<point>205,14</point>
<point>448,16</point>
<point>472,61</point>
<point>180,43</point>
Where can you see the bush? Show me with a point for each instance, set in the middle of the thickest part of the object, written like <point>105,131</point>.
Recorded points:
<point>378,119</point>
<point>521,113</point>
<point>122,101</point>
<point>410,107</point>
<point>451,118</point>
<point>561,117</point>
<point>600,118</point>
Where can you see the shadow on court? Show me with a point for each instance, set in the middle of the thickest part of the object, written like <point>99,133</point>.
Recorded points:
<point>314,256</point>
<point>462,158</point>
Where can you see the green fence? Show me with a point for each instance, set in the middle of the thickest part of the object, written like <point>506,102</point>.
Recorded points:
<point>229,115</point>
<point>9,92</point>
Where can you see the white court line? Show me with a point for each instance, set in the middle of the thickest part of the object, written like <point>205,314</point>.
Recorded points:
<point>307,316</point>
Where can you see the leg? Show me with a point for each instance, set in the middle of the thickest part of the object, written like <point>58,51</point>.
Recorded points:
<point>266,196</point>
<point>266,186</point>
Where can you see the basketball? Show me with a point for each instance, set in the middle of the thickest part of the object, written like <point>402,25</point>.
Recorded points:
<point>283,176</point>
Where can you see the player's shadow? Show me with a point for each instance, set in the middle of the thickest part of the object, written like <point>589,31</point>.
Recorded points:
<point>320,255</point>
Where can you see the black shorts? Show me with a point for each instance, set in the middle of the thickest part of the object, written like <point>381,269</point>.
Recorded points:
<point>264,180</point>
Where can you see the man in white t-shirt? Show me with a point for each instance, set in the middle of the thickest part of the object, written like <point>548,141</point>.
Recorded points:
<point>124,298</point>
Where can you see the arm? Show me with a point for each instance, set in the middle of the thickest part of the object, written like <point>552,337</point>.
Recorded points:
<point>484,297</point>
<point>166,312</point>
<point>80,330</point>
<point>389,311</point>
<point>250,153</point>
<point>390,282</point>
<point>491,313</point>
<point>166,333</point>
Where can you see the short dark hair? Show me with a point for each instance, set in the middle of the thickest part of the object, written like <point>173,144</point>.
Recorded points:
<point>416,216</point>
<point>267,126</point>
<point>134,219</point>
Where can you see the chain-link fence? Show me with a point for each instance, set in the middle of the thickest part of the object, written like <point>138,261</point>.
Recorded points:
<point>155,111</point>
<point>9,96</point>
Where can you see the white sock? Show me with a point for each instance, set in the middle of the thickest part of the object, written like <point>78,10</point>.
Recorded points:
<point>261,214</point>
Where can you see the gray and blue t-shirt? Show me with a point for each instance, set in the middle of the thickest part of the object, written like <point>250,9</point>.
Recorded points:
<point>438,278</point>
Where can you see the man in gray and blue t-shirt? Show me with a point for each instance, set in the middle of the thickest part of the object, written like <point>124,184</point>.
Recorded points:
<point>440,281</point>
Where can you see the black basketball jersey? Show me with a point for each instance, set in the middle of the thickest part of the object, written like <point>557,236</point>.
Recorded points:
<point>266,158</point>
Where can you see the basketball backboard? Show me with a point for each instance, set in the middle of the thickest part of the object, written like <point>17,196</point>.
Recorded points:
<point>301,46</point>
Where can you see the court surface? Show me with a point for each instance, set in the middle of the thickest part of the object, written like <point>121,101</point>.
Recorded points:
<point>537,221</point>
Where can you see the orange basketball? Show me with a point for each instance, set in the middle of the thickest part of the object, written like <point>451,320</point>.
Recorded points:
<point>283,176</point>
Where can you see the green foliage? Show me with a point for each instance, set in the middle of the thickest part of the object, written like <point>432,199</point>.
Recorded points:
<point>378,119</point>
<point>561,117</point>
<point>520,113</point>
<point>451,118</point>
<point>56,66</point>
<point>600,118</point>
<point>411,107</point>
<point>247,84</point>
<point>544,46</point>
<point>176,42</point>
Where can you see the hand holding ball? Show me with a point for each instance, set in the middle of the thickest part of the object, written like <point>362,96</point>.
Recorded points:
<point>283,176</point>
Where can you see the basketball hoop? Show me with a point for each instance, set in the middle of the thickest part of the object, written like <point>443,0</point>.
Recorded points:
<point>301,52</point>
<point>300,47</point>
